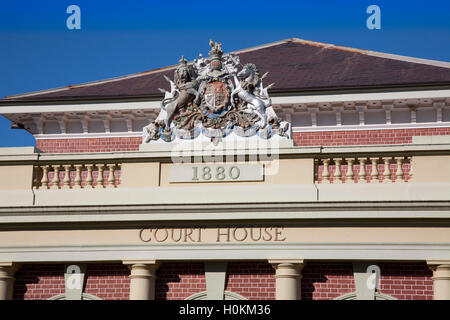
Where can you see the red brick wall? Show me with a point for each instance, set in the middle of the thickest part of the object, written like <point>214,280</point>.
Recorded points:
<point>177,281</point>
<point>88,145</point>
<point>327,281</point>
<point>255,280</point>
<point>43,281</point>
<point>108,281</point>
<point>406,281</point>
<point>251,279</point>
<point>403,281</point>
<point>323,138</point>
<point>361,137</point>
<point>38,281</point>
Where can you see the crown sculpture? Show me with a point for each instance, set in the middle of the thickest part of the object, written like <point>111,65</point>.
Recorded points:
<point>213,99</point>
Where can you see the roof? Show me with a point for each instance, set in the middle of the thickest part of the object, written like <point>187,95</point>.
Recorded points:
<point>293,65</point>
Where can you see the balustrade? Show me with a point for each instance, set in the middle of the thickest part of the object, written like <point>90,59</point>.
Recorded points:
<point>77,176</point>
<point>363,169</point>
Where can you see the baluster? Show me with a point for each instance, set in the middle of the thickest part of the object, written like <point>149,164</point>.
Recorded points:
<point>36,172</point>
<point>44,181</point>
<point>100,176</point>
<point>410,173</point>
<point>55,182</point>
<point>374,173</point>
<point>387,170</point>
<point>350,177</point>
<point>399,173</point>
<point>77,180</point>
<point>119,170</point>
<point>66,180</point>
<point>362,170</point>
<point>325,172</point>
<point>337,171</point>
<point>89,180</point>
<point>111,177</point>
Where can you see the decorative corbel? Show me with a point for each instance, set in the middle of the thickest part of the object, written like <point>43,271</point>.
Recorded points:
<point>129,119</point>
<point>85,123</point>
<point>107,123</point>
<point>413,109</point>
<point>338,110</point>
<point>39,122</point>
<point>361,111</point>
<point>313,113</point>
<point>438,106</point>
<point>62,123</point>
<point>388,109</point>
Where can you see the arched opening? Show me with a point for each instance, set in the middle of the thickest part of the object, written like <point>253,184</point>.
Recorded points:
<point>227,296</point>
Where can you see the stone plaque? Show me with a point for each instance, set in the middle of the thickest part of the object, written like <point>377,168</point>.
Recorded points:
<point>216,173</point>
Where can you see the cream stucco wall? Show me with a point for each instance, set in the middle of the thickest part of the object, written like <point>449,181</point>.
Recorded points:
<point>304,235</point>
<point>431,168</point>
<point>279,171</point>
<point>140,174</point>
<point>16,177</point>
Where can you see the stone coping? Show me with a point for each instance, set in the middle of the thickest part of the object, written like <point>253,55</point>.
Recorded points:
<point>33,154</point>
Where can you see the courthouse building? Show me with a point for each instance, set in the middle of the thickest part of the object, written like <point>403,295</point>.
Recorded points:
<point>331,183</point>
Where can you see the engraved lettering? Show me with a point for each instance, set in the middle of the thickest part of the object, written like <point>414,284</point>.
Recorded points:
<point>187,234</point>
<point>269,236</point>
<point>236,234</point>
<point>226,233</point>
<point>199,235</point>
<point>235,172</point>
<point>252,236</point>
<point>172,234</point>
<point>145,235</point>
<point>278,233</point>
<point>164,238</point>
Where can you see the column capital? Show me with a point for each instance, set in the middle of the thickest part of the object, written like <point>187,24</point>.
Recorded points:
<point>142,268</point>
<point>437,262</point>
<point>142,278</point>
<point>149,262</point>
<point>441,278</point>
<point>296,263</point>
<point>7,270</point>
<point>9,266</point>
<point>441,264</point>
<point>291,261</point>
<point>287,278</point>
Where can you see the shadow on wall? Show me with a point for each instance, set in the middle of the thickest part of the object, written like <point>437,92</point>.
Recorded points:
<point>108,281</point>
<point>179,280</point>
<point>254,280</point>
<point>326,281</point>
<point>38,281</point>
<point>401,280</point>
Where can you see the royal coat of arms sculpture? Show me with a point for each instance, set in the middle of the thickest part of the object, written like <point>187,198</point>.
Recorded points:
<point>216,98</point>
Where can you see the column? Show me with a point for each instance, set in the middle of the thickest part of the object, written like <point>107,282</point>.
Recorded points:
<point>142,279</point>
<point>441,279</point>
<point>7,270</point>
<point>287,278</point>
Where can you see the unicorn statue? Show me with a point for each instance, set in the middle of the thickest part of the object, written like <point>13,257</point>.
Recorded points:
<point>251,90</point>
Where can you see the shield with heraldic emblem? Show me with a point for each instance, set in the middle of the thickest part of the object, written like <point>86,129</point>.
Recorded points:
<point>216,96</point>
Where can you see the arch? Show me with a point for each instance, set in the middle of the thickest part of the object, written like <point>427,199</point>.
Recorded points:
<point>84,296</point>
<point>228,295</point>
<point>352,296</point>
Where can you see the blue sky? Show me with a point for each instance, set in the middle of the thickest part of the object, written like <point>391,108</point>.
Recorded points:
<point>37,51</point>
